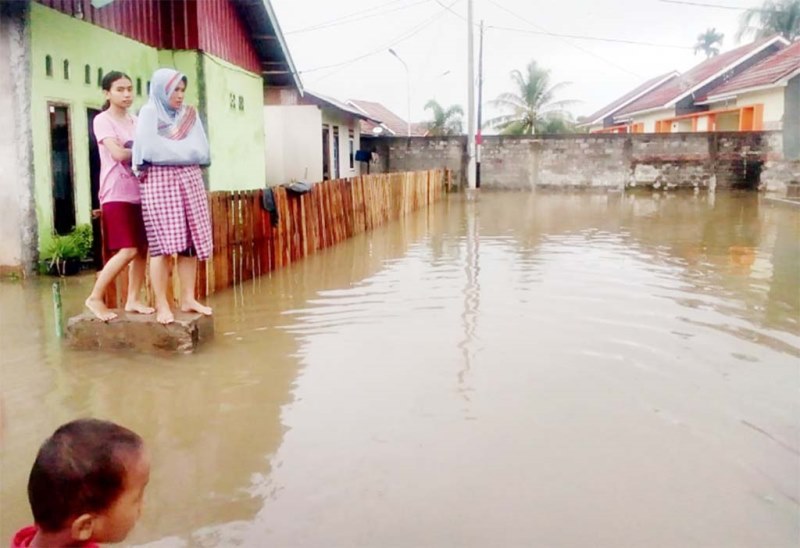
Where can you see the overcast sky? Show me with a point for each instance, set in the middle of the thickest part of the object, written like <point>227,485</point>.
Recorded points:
<point>433,41</point>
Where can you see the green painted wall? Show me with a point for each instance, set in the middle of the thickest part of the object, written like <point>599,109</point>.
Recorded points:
<point>185,62</point>
<point>236,135</point>
<point>66,38</point>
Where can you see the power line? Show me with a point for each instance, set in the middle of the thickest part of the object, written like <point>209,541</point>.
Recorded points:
<point>576,46</point>
<point>352,18</point>
<point>719,6</point>
<point>451,10</point>
<point>593,38</point>
<point>573,36</point>
<point>400,38</point>
<point>343,17</point>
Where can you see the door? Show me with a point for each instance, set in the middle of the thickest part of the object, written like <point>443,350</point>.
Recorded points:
<point>94,178</point>
<point>61,170</point>
<point>336,152</point>
<point>326,154</point>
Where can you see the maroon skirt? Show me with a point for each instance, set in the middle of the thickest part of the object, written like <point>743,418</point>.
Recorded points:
<point>123,226</point>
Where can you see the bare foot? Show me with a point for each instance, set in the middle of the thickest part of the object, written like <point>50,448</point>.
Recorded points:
<point>138,308</point>
<point>99,309</point>
<point>164,316</point>
<point>194,306</point>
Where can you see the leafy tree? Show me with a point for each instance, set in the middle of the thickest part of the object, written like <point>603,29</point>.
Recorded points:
<point>531,107</point>
<point>773,17</point>
<point>445,121</point>
<point>709,42</point>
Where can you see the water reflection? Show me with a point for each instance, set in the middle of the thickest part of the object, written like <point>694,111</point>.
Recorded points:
<point>478,374</point>
<point>472,299</point>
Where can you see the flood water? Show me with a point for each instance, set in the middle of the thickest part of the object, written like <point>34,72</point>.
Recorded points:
<point>528,370</point>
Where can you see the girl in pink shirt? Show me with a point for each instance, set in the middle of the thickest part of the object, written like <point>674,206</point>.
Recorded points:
<point>120,198</point>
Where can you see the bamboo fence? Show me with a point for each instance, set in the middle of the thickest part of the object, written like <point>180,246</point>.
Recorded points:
<point>247,245</point>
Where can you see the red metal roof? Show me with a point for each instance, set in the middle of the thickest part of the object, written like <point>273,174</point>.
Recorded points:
<point>242,32</point>
<point>223,33</point>
<point>770,71</point>
<point>629,97</point>
<point>676,87</point>
<point>140,20</point>
<point>391,121</point>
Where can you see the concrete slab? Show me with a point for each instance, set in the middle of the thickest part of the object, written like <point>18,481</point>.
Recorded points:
<point>140,333</point>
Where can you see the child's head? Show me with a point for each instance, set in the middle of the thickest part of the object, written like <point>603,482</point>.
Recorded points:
<point>118,89</point>
<point>88,479</point>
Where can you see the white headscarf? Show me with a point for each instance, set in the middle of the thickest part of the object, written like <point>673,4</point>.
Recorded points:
<point>165,136</point>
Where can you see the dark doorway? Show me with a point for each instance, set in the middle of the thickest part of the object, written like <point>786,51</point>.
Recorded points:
<point>94,178</point>
<point>752,175</point>
<point>336,152</point>
<point>61,167</point>
<point>326,154</point>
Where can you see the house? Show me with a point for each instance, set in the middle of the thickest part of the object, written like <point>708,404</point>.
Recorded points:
<point>56,53</point>
<point>310,137</point>
<point>391,124</point>
<point>602,121</point>
<point>672,107</point>
<point>677,102</point>
<point>773,83</point>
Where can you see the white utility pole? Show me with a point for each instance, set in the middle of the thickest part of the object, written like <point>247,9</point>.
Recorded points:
<point>408,92</point>
<point>470,101</point>
<point>479,137</point>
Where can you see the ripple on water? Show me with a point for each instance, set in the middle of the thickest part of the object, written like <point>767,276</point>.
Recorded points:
<point>608,358</point>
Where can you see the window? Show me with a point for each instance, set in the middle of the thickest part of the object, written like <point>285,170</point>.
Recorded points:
<point>139,87</point>
<point>66,69</point>
<point>87,74</point>
<point>100,77</point>
<point>232,103</point>
<point>48,65</point>
<point>148,87</point>
<point>241,103</point>
<point>351,139</point>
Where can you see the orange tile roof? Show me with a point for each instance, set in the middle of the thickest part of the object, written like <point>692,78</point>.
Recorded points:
<point>391,121</point>
<point>770,71</point>
<point>697,76</point>
<point>629,97</point>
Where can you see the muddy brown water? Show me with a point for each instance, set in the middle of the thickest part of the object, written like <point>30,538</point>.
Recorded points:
<point>528,370</point>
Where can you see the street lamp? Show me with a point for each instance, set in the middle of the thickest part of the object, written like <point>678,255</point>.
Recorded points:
<point>408,91</point>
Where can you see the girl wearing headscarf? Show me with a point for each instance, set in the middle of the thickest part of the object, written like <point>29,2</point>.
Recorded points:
<point>169,149</point>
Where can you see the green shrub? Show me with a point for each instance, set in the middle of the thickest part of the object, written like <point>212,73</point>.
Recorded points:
<point>73,246</point>
<point>84,239</point>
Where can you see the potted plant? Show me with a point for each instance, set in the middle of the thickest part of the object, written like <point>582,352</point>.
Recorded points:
<point>66,252</point>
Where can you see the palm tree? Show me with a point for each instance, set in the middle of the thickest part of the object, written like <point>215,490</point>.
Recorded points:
<point>773,17</point>
<point>445,121</point>
<point>531,107</point>
<point>709,43</point>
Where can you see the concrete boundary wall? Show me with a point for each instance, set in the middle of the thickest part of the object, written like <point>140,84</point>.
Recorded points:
<point>602,162</point>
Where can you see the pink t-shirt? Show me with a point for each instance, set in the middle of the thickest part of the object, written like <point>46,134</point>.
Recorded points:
<point>117,181</point>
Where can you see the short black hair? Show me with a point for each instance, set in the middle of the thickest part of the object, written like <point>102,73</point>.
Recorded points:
<point>80,469</point>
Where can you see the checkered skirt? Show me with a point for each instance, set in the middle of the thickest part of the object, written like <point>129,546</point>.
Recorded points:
<point>175,211</point>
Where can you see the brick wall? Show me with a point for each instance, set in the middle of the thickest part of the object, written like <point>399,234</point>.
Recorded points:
<point>605,162</point>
